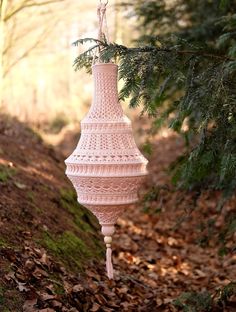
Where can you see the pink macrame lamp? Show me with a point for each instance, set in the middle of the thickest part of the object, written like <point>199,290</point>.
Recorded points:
<point>106,168</point>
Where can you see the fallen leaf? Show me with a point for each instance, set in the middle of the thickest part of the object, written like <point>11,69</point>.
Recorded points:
<point>100,298</point>
<point>77,288</point>
<point>22,287</point>
<point>39,273</point>
<point>95,307</point>
<point>29,264</point>
<point>200,273</point>
<point>20,186</point>
<point>45,296</point>
<point>56,304</point>
<point>29,305</point>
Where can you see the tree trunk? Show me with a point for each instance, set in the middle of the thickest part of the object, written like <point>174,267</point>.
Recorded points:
<point>3,4</point>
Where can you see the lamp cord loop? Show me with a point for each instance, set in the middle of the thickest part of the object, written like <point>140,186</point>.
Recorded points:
<point>102,28</point>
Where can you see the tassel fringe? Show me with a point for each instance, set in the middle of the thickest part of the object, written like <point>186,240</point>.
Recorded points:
<point>109,263</point>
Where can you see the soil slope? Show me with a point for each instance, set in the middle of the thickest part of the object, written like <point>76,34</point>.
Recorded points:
<point>39,218</point>
<point>50,252</point>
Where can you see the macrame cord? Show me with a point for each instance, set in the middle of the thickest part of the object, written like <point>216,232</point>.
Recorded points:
<point>103,34</point>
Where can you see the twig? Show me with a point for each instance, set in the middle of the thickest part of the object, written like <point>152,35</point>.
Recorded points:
<point>123,49</point>
<point>192,52</point>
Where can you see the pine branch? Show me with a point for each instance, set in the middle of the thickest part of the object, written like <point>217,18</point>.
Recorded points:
<point>85,40</point>
<point>151,49</point>
<point>119,50</point>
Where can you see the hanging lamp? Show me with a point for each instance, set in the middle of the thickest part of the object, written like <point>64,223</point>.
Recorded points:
<point>106,168</point>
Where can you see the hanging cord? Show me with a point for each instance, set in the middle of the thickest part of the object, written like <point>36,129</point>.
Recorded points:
<point>102,28</point>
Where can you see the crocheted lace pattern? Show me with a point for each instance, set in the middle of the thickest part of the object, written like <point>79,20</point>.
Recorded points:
<point>106,168</point>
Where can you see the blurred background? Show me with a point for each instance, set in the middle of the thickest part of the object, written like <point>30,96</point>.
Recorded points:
<point>39,84</point>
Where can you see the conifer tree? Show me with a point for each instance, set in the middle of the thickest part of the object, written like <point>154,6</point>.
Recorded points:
<point>184,65</point>
<point>182,70</point>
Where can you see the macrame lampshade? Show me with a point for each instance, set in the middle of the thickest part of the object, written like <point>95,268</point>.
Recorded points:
<point>106,168</point>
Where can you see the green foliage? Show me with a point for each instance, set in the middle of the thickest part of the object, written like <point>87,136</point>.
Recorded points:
<point>194,302</point>
<point>227,234</point>
<point>10,299</point>
<point>182,70</point>
<point>58,288</point>
<point>150,197</point>
<point>3,175</point>
<point>6,173</point>
<point>83,218</point>
<point>184,76</point>
<point>85,59</point>
<point>224,294</point>
<point>204,301</point>
<point>3,242</point>
<point>212,161</point>
<point>147,148</point>
<point>82,242</point>
<point>68,247</point>
<point>151,201</point>
<point>224,3</point>
<point>31,196</point>
<point>1,295</point>
<point>34,133</point>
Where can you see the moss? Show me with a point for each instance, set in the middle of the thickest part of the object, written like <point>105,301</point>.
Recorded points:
<point>58,287</point>
<point>1,296</point>
<point>82,217</point>
<point>38,210</point>
<point>31,196</point>
<point>6,173</point>
<point>6,241</point>
<point>3,242</point>
<point>3,175</point>
<point>69,248</point>
<point>34,133</point>
<point>10,299</point>
<point>44,188</point>
<point>82,242</point>
<point>33,203</point>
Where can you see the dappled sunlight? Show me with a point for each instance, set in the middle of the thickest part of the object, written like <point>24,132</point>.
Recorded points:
<point>161,268</point>
<point>36,169</point>
<point>129,258</point>
<point>39,173</point>
<point>162,250</point>
<point>6,162</point>
<point>130,225</point>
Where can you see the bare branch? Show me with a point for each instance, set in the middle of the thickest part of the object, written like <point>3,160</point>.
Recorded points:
<point>28,4</point>
<point>29,50</point>
<point>10,39</point>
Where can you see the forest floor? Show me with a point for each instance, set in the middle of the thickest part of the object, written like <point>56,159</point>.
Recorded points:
<point>52,257</point>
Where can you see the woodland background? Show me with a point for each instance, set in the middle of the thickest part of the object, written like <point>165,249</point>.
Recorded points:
<point>174,250</point>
